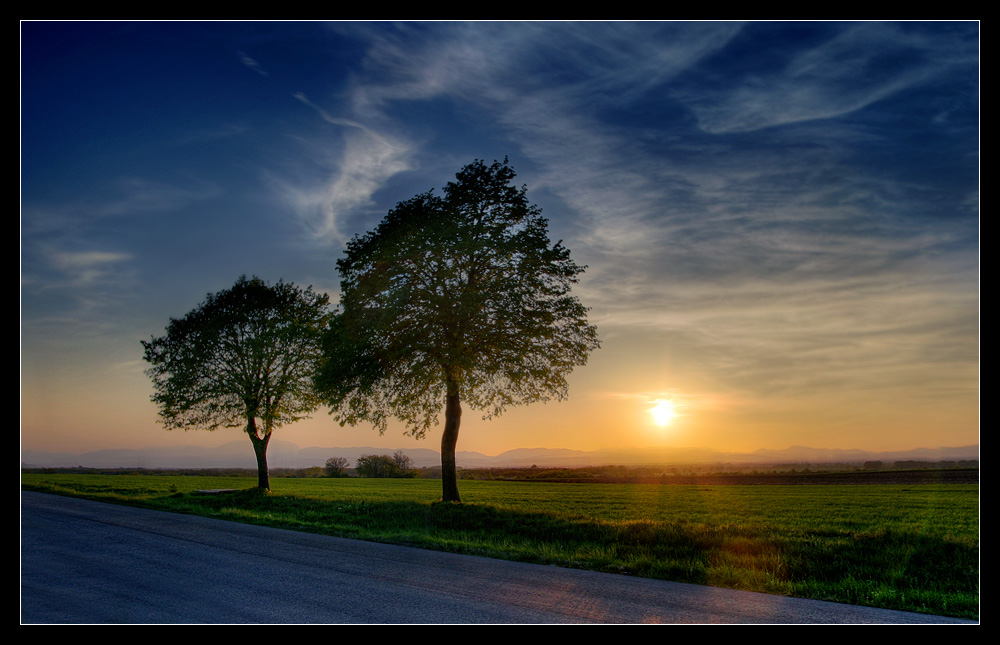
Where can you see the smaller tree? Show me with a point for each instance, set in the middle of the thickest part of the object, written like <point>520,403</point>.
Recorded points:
<point>336,466</point>
<point>243,358</point>
<point>402,461</point>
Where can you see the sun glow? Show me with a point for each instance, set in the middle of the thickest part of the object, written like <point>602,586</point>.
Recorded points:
<point>663,412</point>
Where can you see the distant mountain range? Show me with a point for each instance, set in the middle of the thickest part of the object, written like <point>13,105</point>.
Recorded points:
<point>283,454</point>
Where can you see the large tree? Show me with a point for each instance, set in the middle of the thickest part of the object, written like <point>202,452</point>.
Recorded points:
<point>245,357</point>
<point>451,299</point>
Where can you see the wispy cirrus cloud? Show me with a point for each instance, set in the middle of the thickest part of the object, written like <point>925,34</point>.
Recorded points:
<point>85,265</point>
<point>83,248</point>
<point>844,74</point>
<point>251,63</point>
<point>366,159</point>
<point>54,266</point>
<point>67,292</point>
<point>123,197</point>
<point>549,112</point>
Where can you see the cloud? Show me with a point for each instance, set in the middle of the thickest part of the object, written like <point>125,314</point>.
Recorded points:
<point>539,82</point>
<point>251,63</point>
<point>124,197</point>
<point>842,75</point>
<point>66,294</point>
<point>366,160</point>
<point>81,272</point>
<point>329,118</point>
<point>86,260</point>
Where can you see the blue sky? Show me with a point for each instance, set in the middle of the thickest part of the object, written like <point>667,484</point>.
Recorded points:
<point>780,219</point>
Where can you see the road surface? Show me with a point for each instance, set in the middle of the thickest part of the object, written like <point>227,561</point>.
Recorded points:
<point>90,562</point>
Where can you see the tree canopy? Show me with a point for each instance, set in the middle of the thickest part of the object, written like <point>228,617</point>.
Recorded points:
<point>336,466</point>
<point>455,298</point>
<point>245,357</point>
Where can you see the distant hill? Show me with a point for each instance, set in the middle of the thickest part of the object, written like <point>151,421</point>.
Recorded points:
<point>284,454</point>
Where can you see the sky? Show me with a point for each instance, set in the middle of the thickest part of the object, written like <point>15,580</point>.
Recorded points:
<point>780,220</point>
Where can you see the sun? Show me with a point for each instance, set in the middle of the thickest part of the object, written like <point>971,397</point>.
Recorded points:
<point>663,412</point>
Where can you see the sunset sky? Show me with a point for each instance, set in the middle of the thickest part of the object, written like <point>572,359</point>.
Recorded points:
<point>780,219</point>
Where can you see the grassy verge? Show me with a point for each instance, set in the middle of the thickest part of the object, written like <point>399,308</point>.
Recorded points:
<point>914,548</point>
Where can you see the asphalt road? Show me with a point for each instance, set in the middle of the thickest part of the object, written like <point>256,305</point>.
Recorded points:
<point>89,562</point>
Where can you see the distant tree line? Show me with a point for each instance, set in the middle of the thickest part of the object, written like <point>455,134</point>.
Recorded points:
<point>399,465</point>
<point>921,465</point>
<point>733,473</point>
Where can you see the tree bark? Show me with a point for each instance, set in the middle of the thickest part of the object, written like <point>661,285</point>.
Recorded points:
<point>449,439</point>
<point>260,450</point>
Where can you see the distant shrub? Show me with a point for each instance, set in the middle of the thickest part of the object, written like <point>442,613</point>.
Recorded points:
<point>395,465</point>
<point>336,467</point>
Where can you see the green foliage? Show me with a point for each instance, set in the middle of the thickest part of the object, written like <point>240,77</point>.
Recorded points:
<point>467,287</point>
<point>247,353</point>
<point>336,467</point>
<point>461,296</point>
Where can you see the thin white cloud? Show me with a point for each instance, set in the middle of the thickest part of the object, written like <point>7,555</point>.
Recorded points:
<point>83,269</point>
<point>129,196</point>
<point>84,260</point>
<point>841,76</point>
<point>65,292</point>
<point>329,118</point>
<point>366,161</point>
<point>251,63</point>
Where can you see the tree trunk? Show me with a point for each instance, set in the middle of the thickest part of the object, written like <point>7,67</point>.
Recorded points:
<point>260,450</point>
<point>449,439</point>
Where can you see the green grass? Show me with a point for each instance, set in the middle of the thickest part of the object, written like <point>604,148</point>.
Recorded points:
<point>914,548</point>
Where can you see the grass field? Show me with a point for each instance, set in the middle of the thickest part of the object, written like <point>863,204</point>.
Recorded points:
<point>910,547</point>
